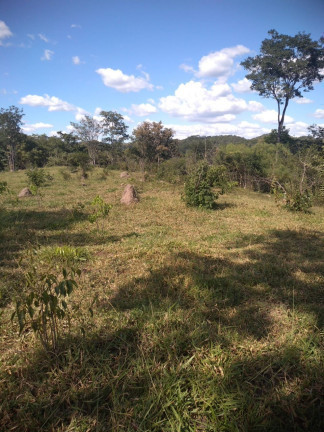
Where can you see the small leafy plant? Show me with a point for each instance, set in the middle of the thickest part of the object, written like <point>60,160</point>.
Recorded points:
<point>37,178</point>
<point>100,210</point>
<point>44,301</point>
<point>3,187</point>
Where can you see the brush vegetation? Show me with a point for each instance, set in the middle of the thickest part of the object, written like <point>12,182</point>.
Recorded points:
<point>182,318</point>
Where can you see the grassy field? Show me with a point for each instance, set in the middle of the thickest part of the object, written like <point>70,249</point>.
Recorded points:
<point>202,320</point>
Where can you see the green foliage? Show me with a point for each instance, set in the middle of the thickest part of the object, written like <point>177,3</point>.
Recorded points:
<point>43,302</point>
<point>80,160</point>
<point>286,66</point>
<point>199,187</point>
<point>64,255</point>
<point>10,133</point>
<point>3,187</point>
<point>300,202</point>
<point>172,170</point>
<point>100,210</point>
<point>38,177</point>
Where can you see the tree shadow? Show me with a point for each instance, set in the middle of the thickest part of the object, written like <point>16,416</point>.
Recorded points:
<point>154,355</point>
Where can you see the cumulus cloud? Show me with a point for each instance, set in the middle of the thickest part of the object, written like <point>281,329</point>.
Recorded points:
<point>4,32</point>
<point>31,128</point>
<point>319,113</point>
<point>219,63</point>
<point>48,54</point>
<point>195,102</point>
<point>270,116</point>
<point>80,114</point>
<point>242,86</point>
<point>51,102</point>
<point>142,110</point>
<point>123,83</point>
<point>298,129</point>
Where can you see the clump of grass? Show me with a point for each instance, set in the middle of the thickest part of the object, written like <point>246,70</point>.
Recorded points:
<point>64,255</point>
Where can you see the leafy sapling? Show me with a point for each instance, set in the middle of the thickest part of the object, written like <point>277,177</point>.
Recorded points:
<point>100,211</point>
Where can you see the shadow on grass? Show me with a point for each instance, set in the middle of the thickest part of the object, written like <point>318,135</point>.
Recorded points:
<point>177,352</point>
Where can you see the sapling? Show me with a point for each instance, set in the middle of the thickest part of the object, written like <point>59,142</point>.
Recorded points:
<point>100,211</point>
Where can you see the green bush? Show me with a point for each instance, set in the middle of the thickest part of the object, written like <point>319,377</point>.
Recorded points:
<point>38,177</point>
<point>100,210</point>
<point>301,202</point>
<point>204,185</point>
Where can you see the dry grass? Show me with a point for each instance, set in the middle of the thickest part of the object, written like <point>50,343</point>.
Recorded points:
<point>203,320</point>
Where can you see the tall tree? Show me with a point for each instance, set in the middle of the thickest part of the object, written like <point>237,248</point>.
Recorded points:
<point>10,132</point>
<point>285,67</point>
<point>153,141</point>
<point>114,128</point>
<point>88,131</point>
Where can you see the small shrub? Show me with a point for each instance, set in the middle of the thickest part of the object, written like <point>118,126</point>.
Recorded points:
<point>200,185</point>
<point>3,187</point>
<point>100,210</point>
<point>300,202</point>
<point>43,300</point>
<point>38,177</point>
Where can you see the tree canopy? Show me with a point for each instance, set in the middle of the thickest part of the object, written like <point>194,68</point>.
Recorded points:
<point>285,67</point>
<point>10,132</point>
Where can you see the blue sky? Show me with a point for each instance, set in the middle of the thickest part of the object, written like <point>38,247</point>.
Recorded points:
<point>175,61</point>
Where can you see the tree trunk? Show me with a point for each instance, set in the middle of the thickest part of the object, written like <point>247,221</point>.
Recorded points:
<point>11,157</point>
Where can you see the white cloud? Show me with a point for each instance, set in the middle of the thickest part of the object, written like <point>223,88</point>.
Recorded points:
<point>187,68</point>
<point>242,86</point>
<point>270,116</point>
<point>76,60</point>
<point>123,83</point>
<point>80,114</point>
<point>220,63</point>
<point>303,101</point>
<point>195,102</point>
<point>51,102</point>
<point>319,113</point>
<point>31,36</point>
<point>4,31</point>
<point>48,54</point>
<point>43,37</point>
<point>243,129</point>
<point>128,119</point>
<point>30,128</point>
<point>255,106</point>
<point>298,129</point>
<point>142,110</point>
<point>75,26</point>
